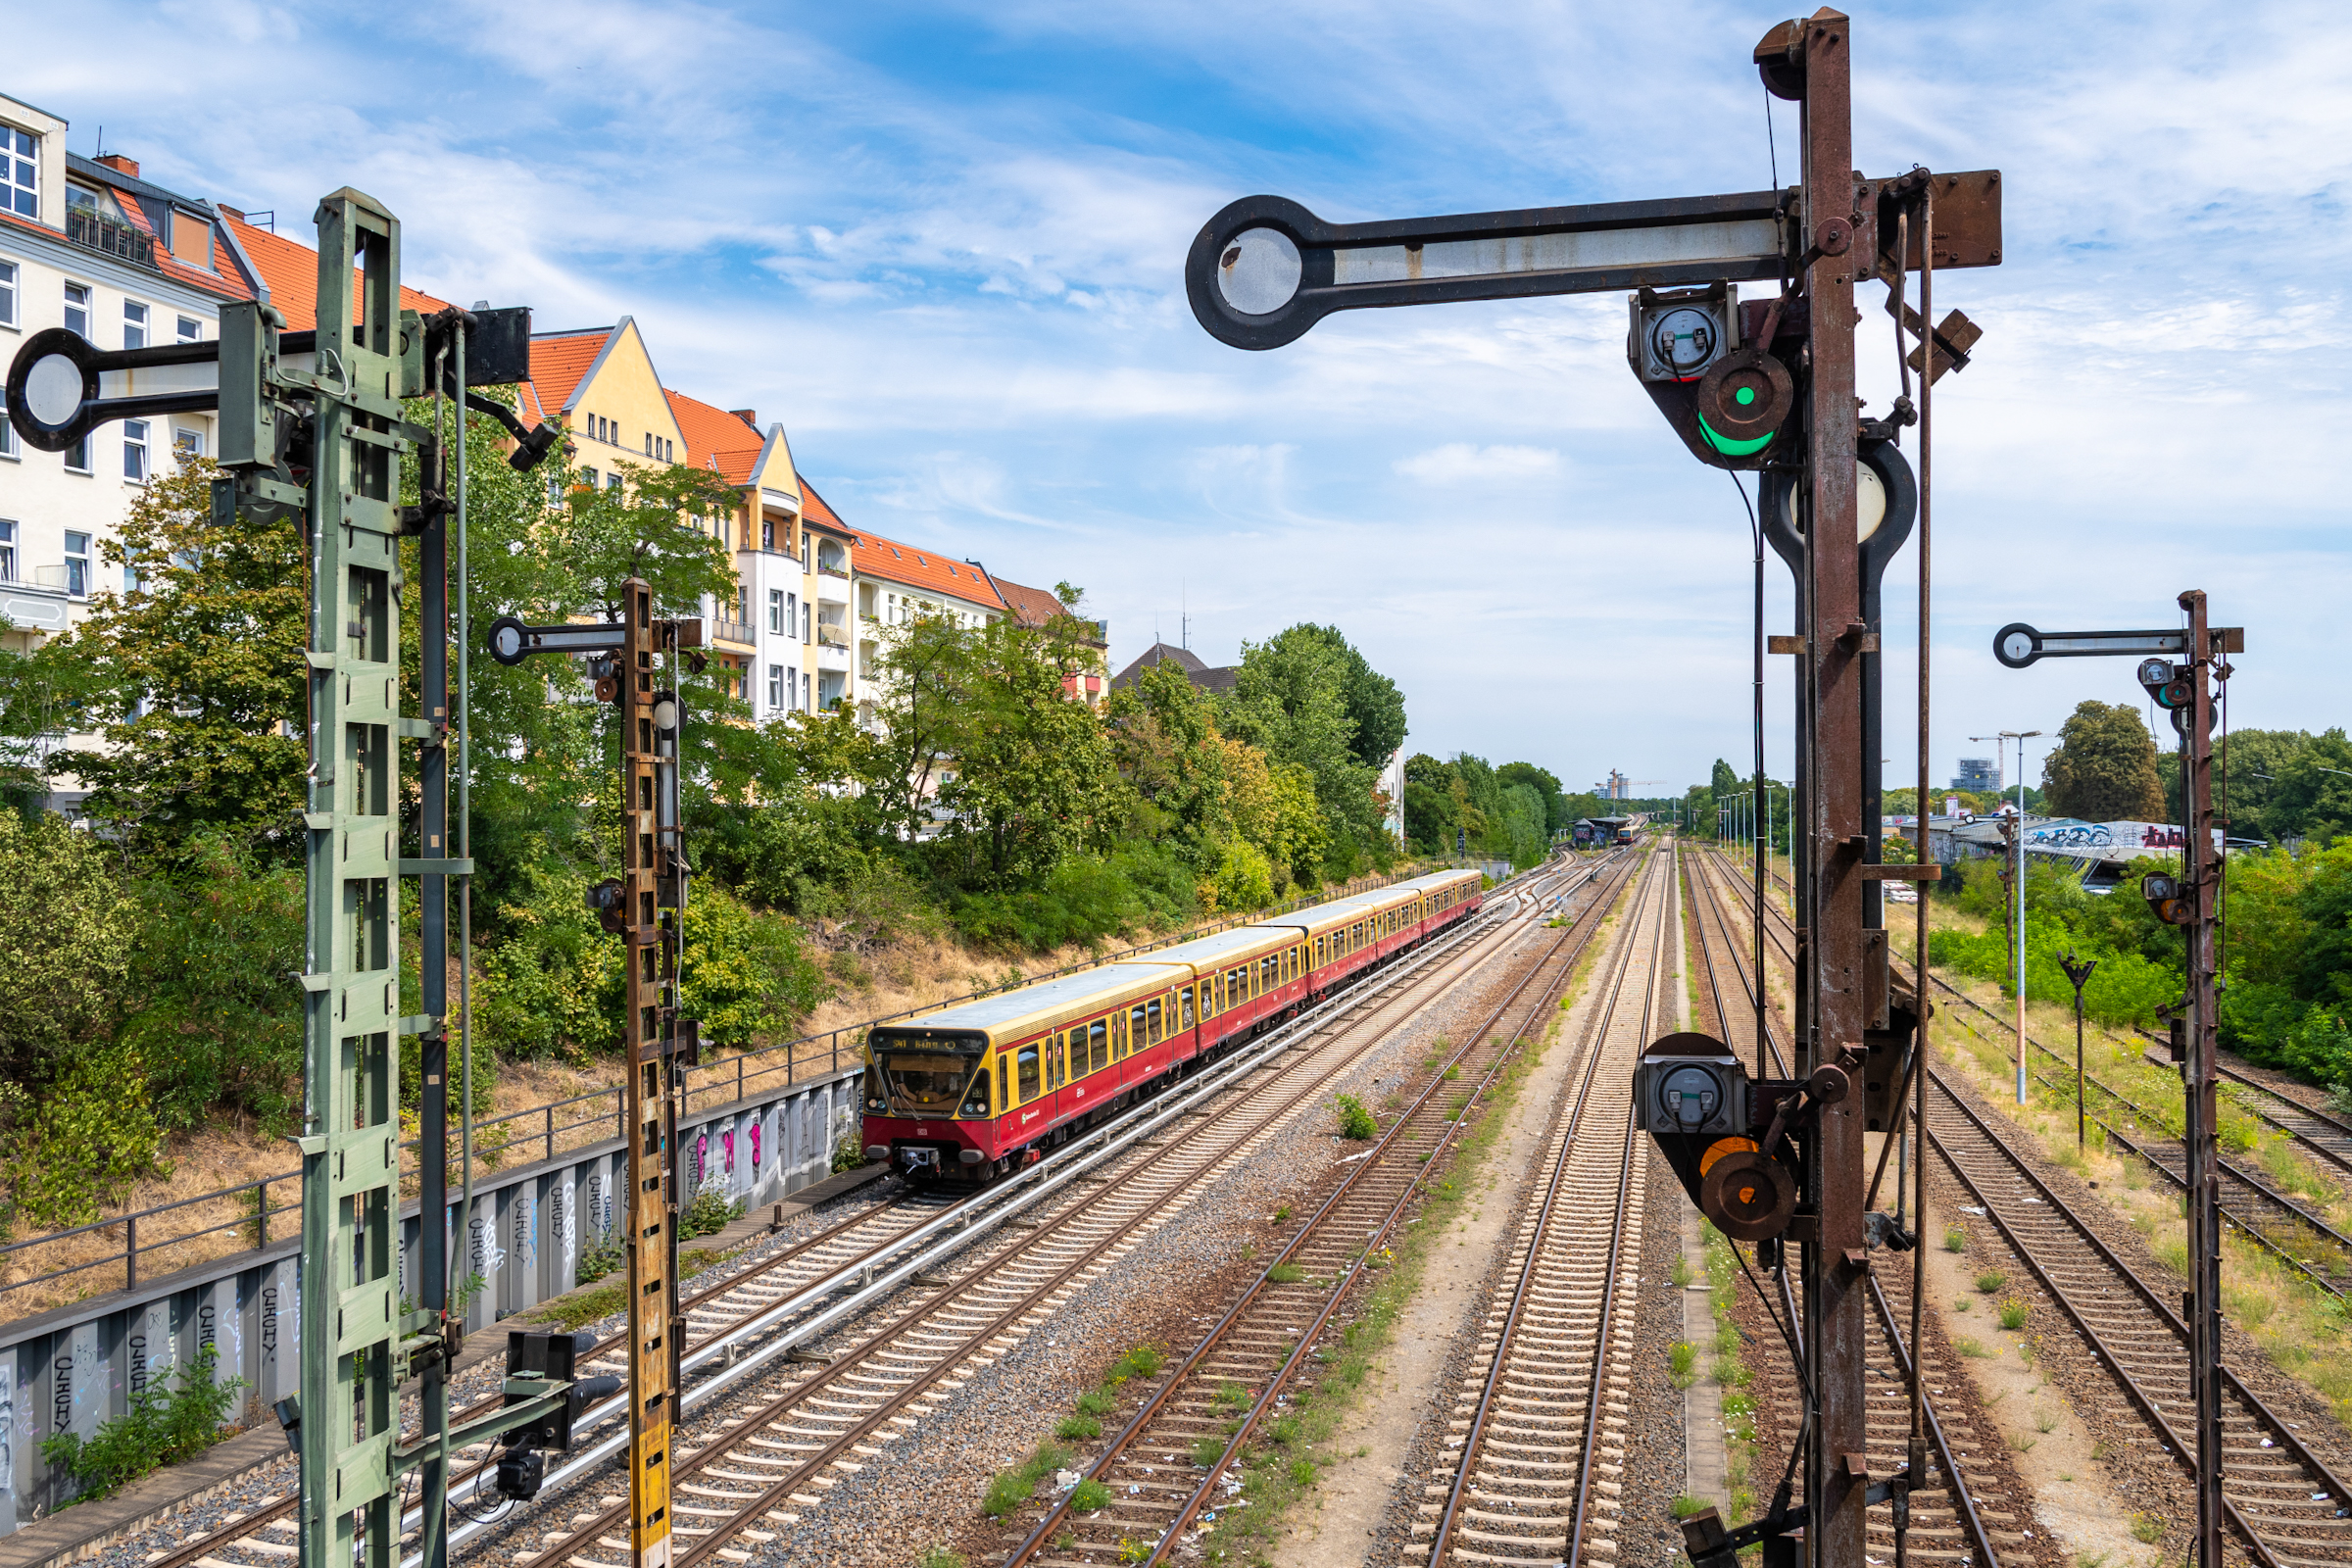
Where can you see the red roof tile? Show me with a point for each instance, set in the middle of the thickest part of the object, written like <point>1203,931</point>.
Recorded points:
<point>814,507</point>
<point>559,360</point>
<point>291,271</point>
<point>712,432</point>
<point>873,555</point>
<point>1032,606</point>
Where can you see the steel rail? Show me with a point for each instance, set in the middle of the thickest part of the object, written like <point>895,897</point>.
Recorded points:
<point>1964,1508</point>
<point>1353,1000</point>
<point>1717,903</point>
<point>1129,1437</point>
<point>468,1483</point>
<point>2255,1409</point>
<point>1532,1267</point>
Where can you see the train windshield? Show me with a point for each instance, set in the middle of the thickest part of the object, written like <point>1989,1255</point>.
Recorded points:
<point>927,1075</point>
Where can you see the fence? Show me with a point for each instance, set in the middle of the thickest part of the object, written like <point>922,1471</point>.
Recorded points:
<point>556,1127</point>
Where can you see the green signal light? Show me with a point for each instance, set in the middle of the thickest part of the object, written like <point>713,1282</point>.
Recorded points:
<point>1744,396</point>
<point>1729,447</point>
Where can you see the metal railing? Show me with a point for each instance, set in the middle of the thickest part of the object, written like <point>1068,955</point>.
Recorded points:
<point>548,1129</point>
<point>731,631</point>
<point>102,233</point>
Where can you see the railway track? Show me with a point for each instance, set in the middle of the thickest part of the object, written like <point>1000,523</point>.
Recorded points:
<point>2285,1502</point>
<point>1163,1469</point>
<point>767,1299</point>
<point>1539,1450</point>
<point>1707,879</point>
<point>1948,1522</point>
<point>776,1452</point>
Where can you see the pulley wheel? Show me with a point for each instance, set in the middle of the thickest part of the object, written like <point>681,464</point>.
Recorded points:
<point>1745,396</point>
<point>1748,1197</point>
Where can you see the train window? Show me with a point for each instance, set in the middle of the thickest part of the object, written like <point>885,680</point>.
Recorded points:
<point>1121,1042</point>
<point>1185,995</point>
<point>1030,1086</point>
<point>1098,1045</point>
<point>1153,1034</point>
<point>1003,1085</point>
<point>1137,1038</point>
<point>1054,1074</point>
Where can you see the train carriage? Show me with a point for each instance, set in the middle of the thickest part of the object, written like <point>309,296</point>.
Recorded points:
<point>971,1092</point>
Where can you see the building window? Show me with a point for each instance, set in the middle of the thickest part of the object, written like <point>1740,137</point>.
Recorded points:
<point>77,564</point>
<point>190,329</point>
<point>805,623</point>
<point>8,551</point>
<point>803,694</point>
<point>775,611</point>
<point>775,687</point>
<point>77,309</point>
<point>768,533</point>
<point>187,445</point>
<point>134,450</point>
<point>77,456</point>
<point>134,325</point>
<point>8,431</point>
<point>21,171</point>
<point>743,605</point>
<point>589,474</point>
<point>8,293</point>
<point>613,480</point>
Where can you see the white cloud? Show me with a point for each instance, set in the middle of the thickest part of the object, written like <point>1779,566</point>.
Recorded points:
<point>1460,462</point>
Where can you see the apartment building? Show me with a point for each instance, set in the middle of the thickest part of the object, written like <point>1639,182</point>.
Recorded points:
<point>896,583</point>
<point>1036,606</point>
<point>88,245</point>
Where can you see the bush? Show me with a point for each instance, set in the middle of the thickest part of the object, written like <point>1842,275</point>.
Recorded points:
<point>553,986</point>
<point>708,1213</point>
<point>162,1427</point>
<point>91,1136</point>
<point>1355,1122</point>
<point>748,974</point>
<point>1955,1239</point>
<point>2012,1314</point>
<point>1991,1279</point>
<point>1090,1497</point>
<point>1140,1362</point>
<point>1075,1428</point>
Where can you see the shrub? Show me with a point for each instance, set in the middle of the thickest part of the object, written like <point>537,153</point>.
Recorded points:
<point>2012,1314</point>
<point>1094,1403</point>
<point>1355,1122</point>
<point>1683,1357</point>
<point>1140,1362</point>
<point>1207,1451</point>
<point>1075,1428</point>
<point>709,1213</point>
<point>1990,1281</point>
<point>162,1427</point>
<point>1955,1239</point>
<point>1090,1497</point>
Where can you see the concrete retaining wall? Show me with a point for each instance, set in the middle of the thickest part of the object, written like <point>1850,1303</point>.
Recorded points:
<point>75,1367</point>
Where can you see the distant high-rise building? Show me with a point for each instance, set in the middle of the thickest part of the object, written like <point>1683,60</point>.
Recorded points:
<point>1620,787</point>
<point>1978,775</point>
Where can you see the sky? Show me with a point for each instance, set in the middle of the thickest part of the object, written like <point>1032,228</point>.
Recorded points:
<point>941,245</point>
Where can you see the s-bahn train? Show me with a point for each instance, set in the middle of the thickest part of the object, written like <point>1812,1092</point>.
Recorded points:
<point>973,1091</point>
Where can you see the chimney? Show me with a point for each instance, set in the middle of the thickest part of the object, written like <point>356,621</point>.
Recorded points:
<point>750,416</point>
<point>120,164</point>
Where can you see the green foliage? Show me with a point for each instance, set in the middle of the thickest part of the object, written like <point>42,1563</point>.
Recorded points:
<point>1076,1428</point>
<point>1090,1497</point>
<point>1008,1489</point>
<point>1097,1402</point>
<point>599,1258</point>
<point>1356,1122</point>
<point>2105,767</point>
<point>201,668</point>
<point>1140,1362</point>
<point>709,1213</point>
<point>1955,1239</point>
<point>551,986</point>
<point>162,1426</point>
<point>748,975</point>
<point>1286,1274</point>
<point>1291,699</point>
<point>2012,1314</point>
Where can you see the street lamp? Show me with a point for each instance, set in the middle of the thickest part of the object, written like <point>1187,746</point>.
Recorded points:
<point>2017,836</point>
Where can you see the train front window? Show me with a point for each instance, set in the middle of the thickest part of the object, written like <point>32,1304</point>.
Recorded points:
<point>933,1083</point>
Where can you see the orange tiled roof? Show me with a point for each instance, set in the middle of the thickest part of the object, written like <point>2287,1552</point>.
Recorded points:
<point>1032,606</point>
<point>873,555</point>
<point>716,438</point>
<point>290,268</point>
<point>814,507</point>
<point>559,360</point>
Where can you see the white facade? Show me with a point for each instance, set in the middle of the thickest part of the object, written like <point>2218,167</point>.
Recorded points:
<point>58,509</point>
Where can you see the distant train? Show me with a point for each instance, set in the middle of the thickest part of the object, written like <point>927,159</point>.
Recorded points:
<point>971,1093</point>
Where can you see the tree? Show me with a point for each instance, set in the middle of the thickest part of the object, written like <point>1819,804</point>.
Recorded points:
<point>1545,786</point>
<point>2104,768</point>
<point>1290,700</point>
<point>197,666</point>
<point>1723,781</point>
<point>1374,704</point>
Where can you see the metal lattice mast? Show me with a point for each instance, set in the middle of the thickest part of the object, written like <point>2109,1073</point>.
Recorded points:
<point>350,1283</point>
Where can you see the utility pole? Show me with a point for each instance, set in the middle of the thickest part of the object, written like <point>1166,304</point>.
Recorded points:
<point>2179,668</point>
<point>1766,385</point>
<point>2017,893</point>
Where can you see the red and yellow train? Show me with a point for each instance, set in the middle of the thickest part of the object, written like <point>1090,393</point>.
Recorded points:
<point>972,1092</point>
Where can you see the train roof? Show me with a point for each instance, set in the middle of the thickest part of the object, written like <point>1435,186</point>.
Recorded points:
<point>1013,1014</point>
<point>1026,1009</point>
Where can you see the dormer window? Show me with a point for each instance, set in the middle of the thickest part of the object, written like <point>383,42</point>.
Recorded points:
<point>20,172</point>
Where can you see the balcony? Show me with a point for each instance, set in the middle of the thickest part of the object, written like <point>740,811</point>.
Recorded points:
<point>828,635</point>
<point>833,660</point>
<point>737,632</point>
<point>102,233</point>
<point>832,589</point>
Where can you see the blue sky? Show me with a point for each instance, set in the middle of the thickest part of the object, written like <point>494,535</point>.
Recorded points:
<point>941,245</point>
